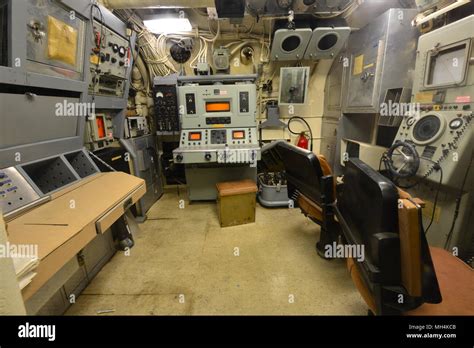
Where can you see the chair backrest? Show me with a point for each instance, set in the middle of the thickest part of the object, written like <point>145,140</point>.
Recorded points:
<point>373,212</point>
<point>368,203</point>
<point>303,168</point>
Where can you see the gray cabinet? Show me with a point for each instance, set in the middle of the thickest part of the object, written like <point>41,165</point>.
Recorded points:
<point>334,91</point>
<point>146,166</point>
<point>329,140</point>
<point>382,58</point>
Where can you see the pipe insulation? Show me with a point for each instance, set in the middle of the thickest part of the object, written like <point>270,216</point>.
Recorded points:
<point>140,65</point>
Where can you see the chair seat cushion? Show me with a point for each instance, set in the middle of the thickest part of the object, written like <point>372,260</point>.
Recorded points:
<point>456,282</point>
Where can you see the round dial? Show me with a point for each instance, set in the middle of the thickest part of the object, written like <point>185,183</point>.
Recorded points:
<point>121,51</point>
<point>456,124</point>
<point>426,128</point>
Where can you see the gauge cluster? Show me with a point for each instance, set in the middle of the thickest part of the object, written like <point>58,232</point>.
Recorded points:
<point>110,59</point>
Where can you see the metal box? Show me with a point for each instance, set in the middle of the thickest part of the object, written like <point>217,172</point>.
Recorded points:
<point>382,58</point>
<point>271,195</point>
<point>55,40</point>
<point>236,202</point>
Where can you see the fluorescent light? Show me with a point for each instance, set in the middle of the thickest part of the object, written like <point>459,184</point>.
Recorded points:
<point>168,25</point>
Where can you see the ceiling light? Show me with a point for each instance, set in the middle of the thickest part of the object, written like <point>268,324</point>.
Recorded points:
<point>168,25</point>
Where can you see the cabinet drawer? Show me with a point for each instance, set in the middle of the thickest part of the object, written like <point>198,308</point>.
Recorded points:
<point>32,118</point>
<point>119,209</point>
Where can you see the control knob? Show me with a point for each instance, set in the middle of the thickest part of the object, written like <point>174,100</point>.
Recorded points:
<point>179,158</point>
<point>121,51</point>
<point>207,156</point>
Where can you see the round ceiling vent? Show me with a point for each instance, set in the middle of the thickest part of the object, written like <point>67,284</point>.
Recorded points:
<point>291,43</point>
<point>327,42</point>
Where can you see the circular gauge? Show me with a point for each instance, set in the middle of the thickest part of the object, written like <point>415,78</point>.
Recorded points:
<point>291,43</point>
<point>428,129</point>
<point>121,51</point>
<point>284,4</point>
<point>179,54</point>
<point>327,42</point>
<point>411,121</point>
<point>456,124</point>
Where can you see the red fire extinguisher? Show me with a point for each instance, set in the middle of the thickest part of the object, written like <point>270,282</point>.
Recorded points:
<point>302,141</point>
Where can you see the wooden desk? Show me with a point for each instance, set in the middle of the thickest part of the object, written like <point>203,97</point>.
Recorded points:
<point>67,223</point>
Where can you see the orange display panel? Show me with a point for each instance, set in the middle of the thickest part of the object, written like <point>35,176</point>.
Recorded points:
<point>238,134</point>
<point>195,136</point>
<point>100,126</point>
<point>217,106</point>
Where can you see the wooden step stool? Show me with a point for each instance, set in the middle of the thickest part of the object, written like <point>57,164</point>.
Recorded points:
<point>236,202</point>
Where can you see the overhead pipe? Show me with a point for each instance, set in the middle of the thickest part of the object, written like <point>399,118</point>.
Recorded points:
<point>137,4</point>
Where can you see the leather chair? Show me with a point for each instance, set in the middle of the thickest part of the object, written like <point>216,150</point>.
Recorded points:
<point>310,184</point>
<point>397,274</point>
<point>431,280</point>
<point>400,274</point>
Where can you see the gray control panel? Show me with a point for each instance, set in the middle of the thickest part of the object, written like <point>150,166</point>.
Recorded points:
<point>218,117</point>
<point>440,126</point>
<point>218,136</point>
<point>110,59</point>
<point>207,137</point>
<point>15,191</point>
<point>218,140</point>
<point>207,106</point>
<point>442,138</point>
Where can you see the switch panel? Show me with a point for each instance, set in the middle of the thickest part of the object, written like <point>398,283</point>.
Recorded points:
<point>166,108</point>
<point>222,137</point>
<point>110,60</point>
<point>244,102</point>
<point>441,137</point>
<point>218,136</point>
<point>15,191</point>
<point>190,104</point>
